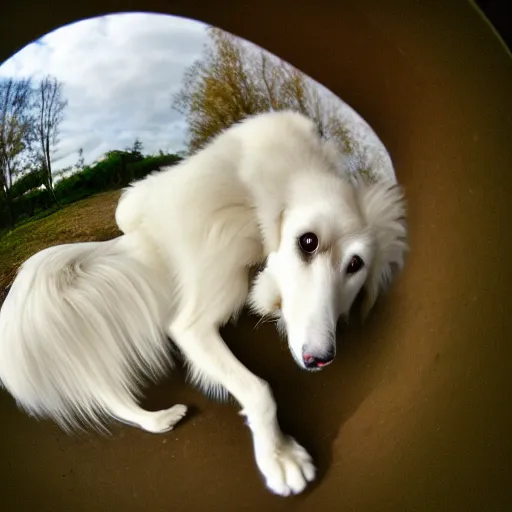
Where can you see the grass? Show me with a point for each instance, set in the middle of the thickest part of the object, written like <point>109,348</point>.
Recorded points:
<point>86,220</point>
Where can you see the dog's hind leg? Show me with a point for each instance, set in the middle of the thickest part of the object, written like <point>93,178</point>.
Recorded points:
<point>286,465</point>
<point>157,422</point>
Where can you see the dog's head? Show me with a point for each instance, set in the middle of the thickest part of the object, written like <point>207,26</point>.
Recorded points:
<point>336,238</point>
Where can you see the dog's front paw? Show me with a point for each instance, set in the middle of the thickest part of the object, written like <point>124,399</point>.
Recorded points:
<point>287,466</point>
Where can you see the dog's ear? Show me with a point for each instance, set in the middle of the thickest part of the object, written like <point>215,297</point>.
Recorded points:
<point>383,206</point>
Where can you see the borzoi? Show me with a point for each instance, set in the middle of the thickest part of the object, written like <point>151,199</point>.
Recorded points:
<point>85,325</point>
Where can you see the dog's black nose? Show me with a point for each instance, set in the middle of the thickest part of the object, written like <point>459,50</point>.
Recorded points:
<point>311,361</point>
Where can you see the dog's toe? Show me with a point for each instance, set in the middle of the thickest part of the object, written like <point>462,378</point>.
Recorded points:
<point>287,469</point>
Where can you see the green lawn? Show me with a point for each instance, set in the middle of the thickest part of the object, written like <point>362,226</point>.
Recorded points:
<point>86,220</point>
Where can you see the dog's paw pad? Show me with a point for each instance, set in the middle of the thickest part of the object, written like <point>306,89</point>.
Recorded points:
<point>287,469</point>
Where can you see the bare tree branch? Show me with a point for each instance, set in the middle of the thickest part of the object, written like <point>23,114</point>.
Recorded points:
<point>16,123</point>
<point>50,106</point>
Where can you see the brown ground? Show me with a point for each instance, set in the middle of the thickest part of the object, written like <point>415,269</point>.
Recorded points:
<point>415,413</point>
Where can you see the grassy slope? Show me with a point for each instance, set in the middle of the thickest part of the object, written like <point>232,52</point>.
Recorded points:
<point>86,220</point>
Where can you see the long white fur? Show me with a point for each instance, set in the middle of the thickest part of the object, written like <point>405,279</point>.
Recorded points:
<point>85,325</point>
<point>82,321</point>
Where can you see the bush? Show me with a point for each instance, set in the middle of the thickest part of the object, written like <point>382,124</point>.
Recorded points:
<point>30,181</point>
<point>153,163</point>
<point>31,203</point>
<point>118,170</point>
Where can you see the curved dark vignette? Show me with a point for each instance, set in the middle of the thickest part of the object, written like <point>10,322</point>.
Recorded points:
<point>414,414</point>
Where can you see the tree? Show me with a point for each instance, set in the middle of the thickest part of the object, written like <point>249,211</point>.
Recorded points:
<point>80,162</point>
<point>135,150</point>
<point>218,90</point>
<point>50,106</point>
<point>235,79</point>
<point>137,147</point>
<point>16,129</point>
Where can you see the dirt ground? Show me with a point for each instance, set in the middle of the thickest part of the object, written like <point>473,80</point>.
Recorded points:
<point>415,413</point>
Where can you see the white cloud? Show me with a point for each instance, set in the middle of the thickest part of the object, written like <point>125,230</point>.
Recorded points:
<point>118,73</point>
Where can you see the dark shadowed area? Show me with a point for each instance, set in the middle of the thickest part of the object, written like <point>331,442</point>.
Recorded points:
<point>415,413</point>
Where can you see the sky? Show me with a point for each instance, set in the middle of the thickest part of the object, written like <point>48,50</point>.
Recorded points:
<point>118,74</point>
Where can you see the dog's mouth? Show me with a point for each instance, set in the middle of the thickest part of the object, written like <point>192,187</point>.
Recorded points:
<point>318,366</point>
<point>315,369</point>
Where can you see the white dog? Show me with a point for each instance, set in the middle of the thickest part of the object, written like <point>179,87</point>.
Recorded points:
<point>85,325</point>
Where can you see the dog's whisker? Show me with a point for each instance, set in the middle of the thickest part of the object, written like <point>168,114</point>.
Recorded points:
<point>264,320</point>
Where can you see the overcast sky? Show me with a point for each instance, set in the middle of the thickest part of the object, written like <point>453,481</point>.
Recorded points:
<point>118,73</point>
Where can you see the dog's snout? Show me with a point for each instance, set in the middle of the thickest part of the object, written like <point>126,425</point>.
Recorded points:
<point>312,361</point>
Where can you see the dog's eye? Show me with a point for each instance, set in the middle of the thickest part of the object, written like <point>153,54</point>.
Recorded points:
<point>356,264</point>
<point>308,242</point>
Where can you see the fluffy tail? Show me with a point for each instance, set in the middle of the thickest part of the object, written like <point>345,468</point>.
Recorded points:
<point>82,323</point>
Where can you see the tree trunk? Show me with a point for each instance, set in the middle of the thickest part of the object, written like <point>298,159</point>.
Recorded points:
<point>8,204</point>
<point>51,191</point>
<point>54,197</point>
<point>49,177</point>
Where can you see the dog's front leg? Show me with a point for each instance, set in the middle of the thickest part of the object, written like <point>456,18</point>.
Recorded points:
<point>286,465</point>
